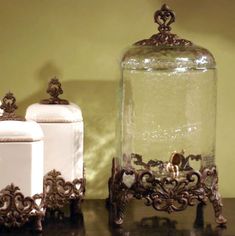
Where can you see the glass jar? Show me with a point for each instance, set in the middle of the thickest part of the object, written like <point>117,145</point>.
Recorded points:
<point>168,101</point>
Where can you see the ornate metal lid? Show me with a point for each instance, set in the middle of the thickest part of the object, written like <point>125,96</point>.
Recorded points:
<point>164,18</point>
<point>9,106</point>
<point>166,51</point>
<point>54,90</point>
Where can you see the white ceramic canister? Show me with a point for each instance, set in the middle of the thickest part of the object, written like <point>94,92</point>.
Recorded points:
<point>62,125</point>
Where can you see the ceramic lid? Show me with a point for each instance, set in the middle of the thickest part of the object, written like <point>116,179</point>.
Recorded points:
<point>54,109</point>
<point>14,128</point>
<point>20,131</point>
<point>57,113</point>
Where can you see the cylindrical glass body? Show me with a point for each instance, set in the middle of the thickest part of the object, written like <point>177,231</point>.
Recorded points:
<point>168,103</point>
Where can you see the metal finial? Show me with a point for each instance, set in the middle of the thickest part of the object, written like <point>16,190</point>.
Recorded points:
<point>164,17</point>
<point>9,107</point>
<point>54,90</point>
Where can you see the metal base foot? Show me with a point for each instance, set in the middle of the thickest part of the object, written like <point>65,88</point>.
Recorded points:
<point>59,193</point>
<point>168,193</point>
<point>17,210</point>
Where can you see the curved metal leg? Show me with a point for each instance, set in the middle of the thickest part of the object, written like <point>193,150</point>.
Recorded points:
<point>121,201</point>
<point>216,201</point>
<point>199,221</point>
<point>75,207</point>
<point>215,198</point>
<point>37,224</point>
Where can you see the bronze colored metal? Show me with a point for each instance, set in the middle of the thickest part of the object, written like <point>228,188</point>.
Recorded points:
<point>16,210</point>
<point>9,106</point>
<point>164,193</point>
<point>164,18</point>
<point>176,159</point>
<point>54,90</point>
<point>58,192</point>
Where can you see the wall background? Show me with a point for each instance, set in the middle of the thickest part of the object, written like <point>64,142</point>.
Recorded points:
<point>82,41</point>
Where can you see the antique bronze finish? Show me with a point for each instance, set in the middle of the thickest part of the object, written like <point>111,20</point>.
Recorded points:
<point>54,90</point>
<point>168,193</point>
<point>16,210</point>
<point>59,192</point>
<point>9,106</point>
<point>164,18</point>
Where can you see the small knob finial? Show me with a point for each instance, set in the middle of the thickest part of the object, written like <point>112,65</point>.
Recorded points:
<point>54,90</point>
<point>9,103</point>
<point>9,107</point>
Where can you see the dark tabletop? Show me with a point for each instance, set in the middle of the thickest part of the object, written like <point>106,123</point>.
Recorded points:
<point>140,220</point>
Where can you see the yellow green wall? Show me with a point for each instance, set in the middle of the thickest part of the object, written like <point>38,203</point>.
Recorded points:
<point>81,41</point>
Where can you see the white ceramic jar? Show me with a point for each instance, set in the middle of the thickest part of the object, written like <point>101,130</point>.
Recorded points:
<point>62,125</point>
<point>21,155</point>
<point>21,168</point>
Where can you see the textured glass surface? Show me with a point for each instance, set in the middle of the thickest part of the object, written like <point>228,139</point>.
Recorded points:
<point>171,107</point>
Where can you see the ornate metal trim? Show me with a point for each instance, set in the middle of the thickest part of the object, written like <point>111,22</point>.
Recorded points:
<point>16,209</point>
<point>169,193</point>
<point>54,90</point>
<point>9,107</point>
<point>164,18</point>
<point>58,192</point>
<point>176,159</point>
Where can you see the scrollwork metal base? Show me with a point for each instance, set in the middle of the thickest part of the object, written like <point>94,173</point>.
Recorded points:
<point>16,210</point>
<point>163,193</point>
<point>59,192</point>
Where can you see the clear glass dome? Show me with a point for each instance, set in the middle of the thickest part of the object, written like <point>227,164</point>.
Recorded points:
<point>168,99</point>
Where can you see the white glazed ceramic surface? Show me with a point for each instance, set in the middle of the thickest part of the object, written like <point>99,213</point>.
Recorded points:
<point>19,131</point>
<point>64,149</point>
<point>21,163</point>
<point>54,113</point>
<point>62,126</point>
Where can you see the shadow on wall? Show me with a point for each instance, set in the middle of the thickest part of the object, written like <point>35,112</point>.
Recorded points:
<point>210,17</point>
<point>97,100</point>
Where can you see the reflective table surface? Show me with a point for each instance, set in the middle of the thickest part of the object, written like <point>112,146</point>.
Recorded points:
<point>140,220</point>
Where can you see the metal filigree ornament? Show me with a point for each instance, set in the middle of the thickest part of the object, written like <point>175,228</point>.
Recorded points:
<point>16,209</point>
<point>59,192</point>
<point>161,188</point>
<point>164,18</point>
<point>9,107</point>
<point>54,90</point>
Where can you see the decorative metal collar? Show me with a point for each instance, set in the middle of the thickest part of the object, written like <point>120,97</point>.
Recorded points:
<point>9,106</point>
<point>54,90</point>
<point>164,18</point>
<point>16,209</point>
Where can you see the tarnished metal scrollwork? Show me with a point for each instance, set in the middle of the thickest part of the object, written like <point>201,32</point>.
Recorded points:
<point>212,191</point>
<point>167,193</point>
<point>176,159</point>
<point>58,192</point>
<point>164,18</point>
<point>9,107</point>
<point>16,209</point>
<point>54,90</point>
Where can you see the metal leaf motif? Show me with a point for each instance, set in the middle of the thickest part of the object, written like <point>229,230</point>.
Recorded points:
<point>15,209</point>
<point>58,191</point>
<point>164,193</point>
